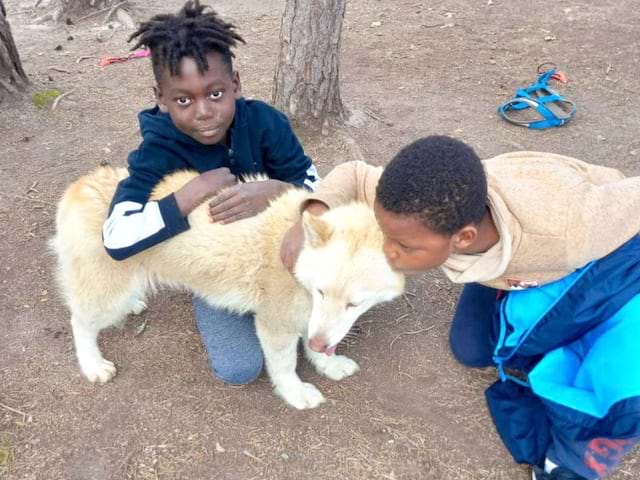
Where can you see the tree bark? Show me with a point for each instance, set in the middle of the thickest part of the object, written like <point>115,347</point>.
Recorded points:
<point>306,84</point>
<point>12,76</point>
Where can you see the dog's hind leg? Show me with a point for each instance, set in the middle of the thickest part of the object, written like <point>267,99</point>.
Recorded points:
<point>335,367</point>
<point>280,354</point>
<point>104,304</point>
<point>105,307</point>
<point>85,337</point>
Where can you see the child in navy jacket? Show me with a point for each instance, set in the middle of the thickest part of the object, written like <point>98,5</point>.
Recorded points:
<point>201,122</point>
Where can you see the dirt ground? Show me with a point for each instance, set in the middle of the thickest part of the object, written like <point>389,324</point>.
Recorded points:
<point>410,68</point>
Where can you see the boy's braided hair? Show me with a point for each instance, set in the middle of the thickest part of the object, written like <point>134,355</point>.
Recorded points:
<point>191,32</point>
<point>437,179</point>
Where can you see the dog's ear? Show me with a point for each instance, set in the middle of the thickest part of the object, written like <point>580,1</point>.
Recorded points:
<point>316,230</point>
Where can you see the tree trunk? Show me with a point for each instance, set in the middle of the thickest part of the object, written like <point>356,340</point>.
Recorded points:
<point>306,83</point>
<point>12,76</point>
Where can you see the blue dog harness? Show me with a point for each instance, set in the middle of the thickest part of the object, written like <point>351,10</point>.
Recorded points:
<point>552,107</point>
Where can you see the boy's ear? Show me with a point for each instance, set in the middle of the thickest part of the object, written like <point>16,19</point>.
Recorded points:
<point>159,99</point>
<point>316,231</point>
<point>464,237</point>
<point>237,84</point>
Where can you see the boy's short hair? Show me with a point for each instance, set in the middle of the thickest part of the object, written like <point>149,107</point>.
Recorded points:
<point>438,179</point>
<point>191,32</point>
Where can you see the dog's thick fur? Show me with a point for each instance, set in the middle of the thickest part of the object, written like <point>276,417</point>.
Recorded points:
<point>341,272</point>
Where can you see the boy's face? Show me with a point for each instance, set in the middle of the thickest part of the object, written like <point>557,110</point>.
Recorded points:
<point>200,105</point>
<point>409,246</point>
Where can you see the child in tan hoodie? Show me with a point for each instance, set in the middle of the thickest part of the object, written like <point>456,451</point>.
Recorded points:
<point>517,221</point>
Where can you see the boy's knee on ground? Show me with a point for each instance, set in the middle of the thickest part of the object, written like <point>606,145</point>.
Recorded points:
<point>232,347</point>
<point>467,355</point>
<point>235,373</point>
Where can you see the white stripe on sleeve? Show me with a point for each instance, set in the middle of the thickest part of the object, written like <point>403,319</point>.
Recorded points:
<point>122,230</point>
<point>310,182</point>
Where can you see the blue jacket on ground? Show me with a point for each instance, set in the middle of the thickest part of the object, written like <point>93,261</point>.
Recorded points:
<point>262,141</point>
<point>576,341</point>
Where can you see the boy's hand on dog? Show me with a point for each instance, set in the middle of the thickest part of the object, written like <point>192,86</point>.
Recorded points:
<point>244,200</point>
<point>202,187</point>
<point>293,240</point>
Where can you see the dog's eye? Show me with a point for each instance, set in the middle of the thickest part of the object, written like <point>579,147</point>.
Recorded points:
<point>353,304</point>
<point>320,292</point>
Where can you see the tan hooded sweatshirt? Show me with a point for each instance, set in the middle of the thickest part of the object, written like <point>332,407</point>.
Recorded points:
<point>554,214</point>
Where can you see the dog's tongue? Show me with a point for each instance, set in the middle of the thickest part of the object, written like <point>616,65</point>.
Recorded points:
<point>331,350</point>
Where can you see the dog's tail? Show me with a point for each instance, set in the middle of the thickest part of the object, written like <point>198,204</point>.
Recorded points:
<point>84,207</point>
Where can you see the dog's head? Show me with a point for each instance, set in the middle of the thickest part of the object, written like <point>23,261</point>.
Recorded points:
<point>344,268</point>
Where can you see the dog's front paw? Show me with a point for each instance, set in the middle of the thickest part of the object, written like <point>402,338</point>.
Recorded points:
<point>101,370</point>
<point>301,395</point>
<point>138,307</point>
<point>338,367</point>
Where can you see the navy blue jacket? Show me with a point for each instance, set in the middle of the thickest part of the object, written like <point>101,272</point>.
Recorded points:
<point>262,141</point>
<point>576,340</point>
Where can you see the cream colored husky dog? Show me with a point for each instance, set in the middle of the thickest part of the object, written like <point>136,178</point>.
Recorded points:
<point>340,274</point>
